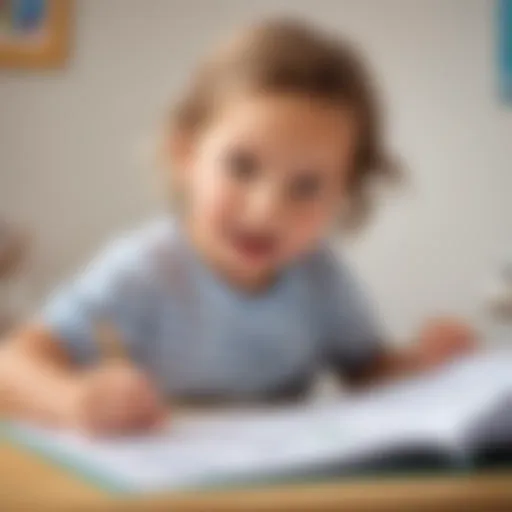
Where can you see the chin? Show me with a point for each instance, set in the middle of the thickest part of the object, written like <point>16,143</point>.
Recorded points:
<point>252,266</point>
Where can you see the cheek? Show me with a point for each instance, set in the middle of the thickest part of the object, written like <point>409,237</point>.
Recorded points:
<point>211,196</point>
<point>307,226</point>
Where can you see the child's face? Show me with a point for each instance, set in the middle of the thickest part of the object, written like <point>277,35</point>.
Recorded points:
<point>266,178</point>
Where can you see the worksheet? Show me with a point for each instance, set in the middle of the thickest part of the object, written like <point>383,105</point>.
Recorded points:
<point>244,445</point>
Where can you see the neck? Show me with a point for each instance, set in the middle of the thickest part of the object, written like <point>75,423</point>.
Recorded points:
<point>252,282</point>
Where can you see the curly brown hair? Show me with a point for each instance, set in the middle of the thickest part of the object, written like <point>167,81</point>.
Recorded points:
<point>288,56</point>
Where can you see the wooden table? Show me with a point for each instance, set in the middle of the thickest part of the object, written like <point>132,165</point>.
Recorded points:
<point>29,483</point>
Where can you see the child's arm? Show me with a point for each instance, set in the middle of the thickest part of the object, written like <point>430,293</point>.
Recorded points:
<point>439,341</point>
<point>39,381</point>
<point>36,377</point>
<point>56,370</point>
<point>354,346</point>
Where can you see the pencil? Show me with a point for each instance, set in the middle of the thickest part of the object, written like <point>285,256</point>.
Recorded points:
<point>110,343</point>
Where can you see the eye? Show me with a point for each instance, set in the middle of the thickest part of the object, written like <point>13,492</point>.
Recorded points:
<point>306,186</point>
<point>242,165</point>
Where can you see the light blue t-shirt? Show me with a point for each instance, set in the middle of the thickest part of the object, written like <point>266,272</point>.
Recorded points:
<point>195,335</point>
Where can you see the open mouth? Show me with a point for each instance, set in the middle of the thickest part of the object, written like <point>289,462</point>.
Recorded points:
<point>254,246</point>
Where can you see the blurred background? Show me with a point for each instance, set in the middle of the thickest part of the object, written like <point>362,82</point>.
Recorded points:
<point>75,141</point>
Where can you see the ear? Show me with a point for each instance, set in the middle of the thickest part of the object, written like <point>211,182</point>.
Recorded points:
<point>173,157</point>
<point>179,148</point>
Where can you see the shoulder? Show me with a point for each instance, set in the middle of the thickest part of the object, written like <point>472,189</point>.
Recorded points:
<point>135,252</point>
<point>144,240</point>
<point>331,276</point>
<point>326,263</point>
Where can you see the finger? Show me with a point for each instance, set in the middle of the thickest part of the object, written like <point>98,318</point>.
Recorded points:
<point>117,409</point>
<point>149,398</point>
<point>155,412</point>
<point>159,424</point>
<point>125,420</point>
<point>137,408</point>
<point>98,424</point>
<point>160,417</point>
<point>91,413</point>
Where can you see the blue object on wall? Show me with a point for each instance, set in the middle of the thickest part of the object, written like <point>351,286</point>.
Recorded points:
<point>28,14</point>
<point>505,48</point>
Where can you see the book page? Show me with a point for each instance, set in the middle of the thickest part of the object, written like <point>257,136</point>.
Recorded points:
<point>196,450</point>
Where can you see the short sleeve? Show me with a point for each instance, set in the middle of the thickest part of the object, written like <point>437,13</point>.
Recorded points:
<point>351,333</point>
<point>113,288</point>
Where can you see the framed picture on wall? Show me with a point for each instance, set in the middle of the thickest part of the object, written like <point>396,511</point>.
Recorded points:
<point>34,33</point>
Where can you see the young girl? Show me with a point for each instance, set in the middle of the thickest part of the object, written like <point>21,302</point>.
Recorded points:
<point>277,140</point>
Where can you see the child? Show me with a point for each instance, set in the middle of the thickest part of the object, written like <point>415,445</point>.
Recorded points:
<point>238,297</point>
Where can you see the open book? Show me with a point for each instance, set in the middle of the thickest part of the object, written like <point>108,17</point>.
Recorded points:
<point>452,415</point>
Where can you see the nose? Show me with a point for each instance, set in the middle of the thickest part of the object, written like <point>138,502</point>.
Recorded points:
<point>263,205</point>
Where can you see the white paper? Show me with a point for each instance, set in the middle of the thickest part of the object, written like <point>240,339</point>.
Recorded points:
<point>219,447</point>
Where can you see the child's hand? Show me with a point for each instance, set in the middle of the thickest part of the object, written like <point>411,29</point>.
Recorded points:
<point>116,398</point>
<point>442,340</point>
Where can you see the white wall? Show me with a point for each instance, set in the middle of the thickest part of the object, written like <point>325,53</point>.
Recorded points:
<point>68,163</point>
